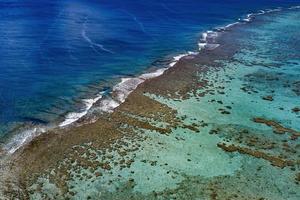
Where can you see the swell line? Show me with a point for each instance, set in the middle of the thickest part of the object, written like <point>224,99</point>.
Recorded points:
<point>93,45</point>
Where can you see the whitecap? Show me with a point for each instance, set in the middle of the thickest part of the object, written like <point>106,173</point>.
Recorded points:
<point>74,116</point>
<point>178,57</point>
<point>208,40</point>
<point>125,87</point>
<point>23,138</point>
<point>230,25</point>
<point>153,74</point>
<point>294,7</point>
<point>108,105</point>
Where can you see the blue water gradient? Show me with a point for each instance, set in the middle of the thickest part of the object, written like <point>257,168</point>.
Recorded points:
<point>52,53</point>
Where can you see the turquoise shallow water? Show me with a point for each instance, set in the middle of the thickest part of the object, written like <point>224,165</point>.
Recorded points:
<point>189,165</point>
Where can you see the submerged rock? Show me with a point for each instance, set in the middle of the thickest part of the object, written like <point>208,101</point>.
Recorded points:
<point>296,110</point>
<point>268,98</point>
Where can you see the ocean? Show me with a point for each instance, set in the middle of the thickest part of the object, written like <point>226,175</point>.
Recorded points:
<point>151,100</point>
<point>56,54</point>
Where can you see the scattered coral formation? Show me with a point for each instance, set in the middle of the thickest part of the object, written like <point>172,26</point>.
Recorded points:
<point>276,161</point>
<point>106,153</point>
<point>278,128</point>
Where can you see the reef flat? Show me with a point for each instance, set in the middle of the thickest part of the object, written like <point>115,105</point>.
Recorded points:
<point>221,124</point>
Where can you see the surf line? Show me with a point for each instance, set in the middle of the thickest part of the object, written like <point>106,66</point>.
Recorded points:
<point>127,85</point>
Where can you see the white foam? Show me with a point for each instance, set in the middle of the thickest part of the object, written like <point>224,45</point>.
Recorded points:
<point>128,85</point>
<point>202,45</point>
<point>27,135</point>
<point>212,34</point>
<point>178,57</point>
<point>108,105</point>
<point>22,138</point>
<point>125,87</point>
<point>122,90</point>
<point>208,40</point>
<point>273,10</point>
<point>74,116</point>
<point>211,46</point>
<point>204,36</point>
<point>153,74</point>
<point>230,25</point>
<point>247,19</point>
<point>261,12</point>
<point>294,7</point>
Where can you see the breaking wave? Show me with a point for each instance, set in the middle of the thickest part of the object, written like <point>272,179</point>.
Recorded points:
<point>127,84</point>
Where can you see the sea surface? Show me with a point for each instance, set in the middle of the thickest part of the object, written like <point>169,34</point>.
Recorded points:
<point>235,137</point>
<point>58,57</point>
<point>222,120</point>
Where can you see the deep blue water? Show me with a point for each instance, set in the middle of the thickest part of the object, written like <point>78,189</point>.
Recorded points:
<point>51,52</point>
